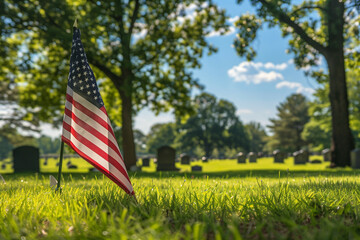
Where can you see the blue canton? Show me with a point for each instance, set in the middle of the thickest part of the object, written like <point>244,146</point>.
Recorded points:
<point>81,77</point>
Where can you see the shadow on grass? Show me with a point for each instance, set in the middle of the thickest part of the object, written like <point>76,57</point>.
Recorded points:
<point>258,173</point>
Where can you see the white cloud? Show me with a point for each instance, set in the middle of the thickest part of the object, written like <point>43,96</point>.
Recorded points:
<point>243,111</point>
<point>295,85</point>
<point>257,72</point>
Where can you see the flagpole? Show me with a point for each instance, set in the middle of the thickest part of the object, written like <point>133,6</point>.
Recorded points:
<point>60,166</point>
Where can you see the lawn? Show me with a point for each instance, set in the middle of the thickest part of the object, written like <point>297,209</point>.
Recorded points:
<point>226,201</point>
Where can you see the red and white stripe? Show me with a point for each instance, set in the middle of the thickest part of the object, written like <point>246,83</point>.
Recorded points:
<point>87,129</point>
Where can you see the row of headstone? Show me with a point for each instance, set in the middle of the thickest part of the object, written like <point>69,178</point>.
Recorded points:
<point>241,157</point>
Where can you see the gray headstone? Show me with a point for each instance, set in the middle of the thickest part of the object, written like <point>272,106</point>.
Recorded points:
<point>185,159</point>
<point>26,159</point>
<point>166,159</point>
<point>326,154</point>
<point>279,156</point>
<point>300,157</point>
<point>146,162</point>
<point>355,158</point>
<point>196,168</point>
<point>252,157</point>
<point>241,157</point>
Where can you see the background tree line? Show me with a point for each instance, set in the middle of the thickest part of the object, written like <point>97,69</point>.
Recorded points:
<point>214,130</point>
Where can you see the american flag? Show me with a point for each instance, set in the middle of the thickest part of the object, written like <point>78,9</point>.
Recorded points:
<point>86,126</point>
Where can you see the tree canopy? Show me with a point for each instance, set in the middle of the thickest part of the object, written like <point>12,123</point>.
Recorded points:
<point>292,115</point>
<point>142,54</point>
<point>315,28</point>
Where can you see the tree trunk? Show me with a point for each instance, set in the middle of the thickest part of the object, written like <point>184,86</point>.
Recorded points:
<point>128,144</point>
<point>342,140</point>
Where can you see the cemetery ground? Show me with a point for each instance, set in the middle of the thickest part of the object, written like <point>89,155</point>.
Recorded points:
<point>227,200</point>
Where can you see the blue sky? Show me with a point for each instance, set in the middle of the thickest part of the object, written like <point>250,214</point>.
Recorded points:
<point>255,88</point>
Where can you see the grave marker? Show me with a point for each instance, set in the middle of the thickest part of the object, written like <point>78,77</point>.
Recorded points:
<point>252,157</point>
<point>355,158</point>
<point>166,159</point>
<point>196,168</point>
<point>279,156</point>
<point>326,154</point>
<point>146,162</point>
<point>185,159</point>
<point>26,159</point>
<point>241,158</point>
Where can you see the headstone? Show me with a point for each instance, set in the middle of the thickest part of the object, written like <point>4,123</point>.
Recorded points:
<point>53,181</point>
<point>300,157</point>
<point>46,162</point>
<point>146,162</point>
<point>3,166</point>
<point>72,166</point>
<point>355,158</point>
<point>241,157</point>
<point>185,159</point>
<point>316,161</point>
<point>252,157</point>
<point>26,159</point>
<point>196,168</point>
<point>204,159</point>
<point>326,154</point>
<point>279,156</point>
<point>92,169</point>
<point>166,159</point>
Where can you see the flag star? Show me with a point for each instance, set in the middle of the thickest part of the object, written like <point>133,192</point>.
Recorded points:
<point>96,97</point>
<point>80,81</point>
<point>81,54</point>
<point>77,62</point>
<point>79,75</point>
<point>79,44</point>
<point>72,65</point>
<point>81,88</point>
<point>87,85</point>
<point>78,69</point>
<point>94,91</point>
<point>82,60</point>
<point>74,77</point>
<point>73,71</point>
<point>85,73</point>
<point>88,93</point>
<point>74,84</point>
<point>86,79</point>
<point>84,67</point>
<point>93,84</point>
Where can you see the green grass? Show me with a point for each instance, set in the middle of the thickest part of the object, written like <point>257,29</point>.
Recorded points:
<point>229,201</point>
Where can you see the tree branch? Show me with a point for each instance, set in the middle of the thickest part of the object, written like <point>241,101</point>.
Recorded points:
<point>117,80</point>
<point>308,7</point>
<point>134,16</point>
<point>284,18</point>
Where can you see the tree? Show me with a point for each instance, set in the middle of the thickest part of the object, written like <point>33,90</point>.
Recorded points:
<point>211,124</point>
<point>317,28</point>
<point>257,136</point>
<point>287,128</point>
<point>160,134</point>
<point>48,145</point>
<point>142,53</point>
<point>315,135</point>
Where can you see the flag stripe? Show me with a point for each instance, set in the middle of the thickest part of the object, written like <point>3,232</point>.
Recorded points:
<point>95,144</point>
<point>94,114</point>
<point>98,166</point>
<point>91,120</point>
<point>91,129</point>
<point>79,144</point>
